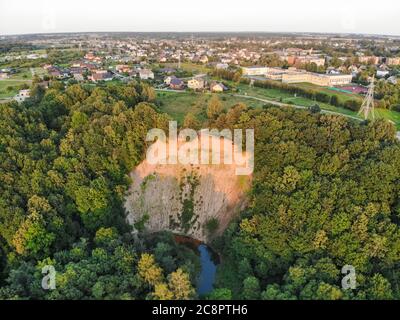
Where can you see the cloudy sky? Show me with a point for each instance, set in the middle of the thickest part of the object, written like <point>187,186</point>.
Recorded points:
<point>347,16</point>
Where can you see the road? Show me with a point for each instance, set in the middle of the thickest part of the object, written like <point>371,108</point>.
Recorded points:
<point>281,104</point>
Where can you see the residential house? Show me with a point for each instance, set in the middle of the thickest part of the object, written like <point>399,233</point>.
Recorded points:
<point>196,83</point>
<point>217,87</point>
<point>101,75</point>
<point>168,79</point>
<point>22,95</point>
<point>145,74</point>
<point>122,68</point>
<point>177,84</point>
<point>3,75</point>
<point>78,77</point>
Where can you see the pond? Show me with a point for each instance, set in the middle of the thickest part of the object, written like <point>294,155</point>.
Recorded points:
<point>208,261</point>
<point>206,280</point>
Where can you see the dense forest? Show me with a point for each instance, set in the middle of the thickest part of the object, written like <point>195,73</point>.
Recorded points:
<point>325,194</point>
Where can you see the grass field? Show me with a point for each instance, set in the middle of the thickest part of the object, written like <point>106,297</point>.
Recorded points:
<point>285,97</point>
<point>190,67</point>
<point>341,95</point>
<point>15,84</point>
<point>178,104</point>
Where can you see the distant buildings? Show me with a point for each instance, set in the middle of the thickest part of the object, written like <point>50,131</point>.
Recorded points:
<point>295,60</point>
<point>325,80</point>
<point>369,59</point>
<point>293,75</point>
<point>254,71</point>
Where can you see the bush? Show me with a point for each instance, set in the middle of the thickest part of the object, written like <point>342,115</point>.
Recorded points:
<point>315,108</point>
<point>212,225</point>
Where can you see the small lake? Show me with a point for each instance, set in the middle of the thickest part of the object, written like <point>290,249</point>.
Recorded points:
<point>206,280</point>
<point>208,262</point>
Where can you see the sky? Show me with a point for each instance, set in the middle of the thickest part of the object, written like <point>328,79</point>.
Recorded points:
<point>339,16</point>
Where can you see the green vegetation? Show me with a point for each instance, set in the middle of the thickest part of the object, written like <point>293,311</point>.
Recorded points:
<point>324,195</point>
<point>14,85</point>
<point>212,226</point>
<point>190,67</point>
<point>65,158</point>
<point>178,104</point>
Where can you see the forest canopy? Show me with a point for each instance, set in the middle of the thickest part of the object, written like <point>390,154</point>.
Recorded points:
<point>325,194</point>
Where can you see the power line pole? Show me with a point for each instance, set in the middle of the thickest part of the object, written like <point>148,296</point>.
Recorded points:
<point>367,106</point>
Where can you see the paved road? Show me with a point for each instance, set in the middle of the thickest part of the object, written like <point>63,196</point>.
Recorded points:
<point>17,80</point>
<point>171,90</point>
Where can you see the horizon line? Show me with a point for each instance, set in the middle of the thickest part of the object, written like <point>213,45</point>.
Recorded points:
<point>202,32</point>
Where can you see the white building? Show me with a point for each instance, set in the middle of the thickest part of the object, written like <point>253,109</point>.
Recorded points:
<point>254,71</point>
<point>382,73</point>
<point>196,83</point>
<point>145,74</point>
<point>22,95</point>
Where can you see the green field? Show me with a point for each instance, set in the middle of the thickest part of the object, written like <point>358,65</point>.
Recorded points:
<point>15,84</point>
<point>190,67</point>
<point>178,104</point>
<point>341,95</point>
<point>285,97</point>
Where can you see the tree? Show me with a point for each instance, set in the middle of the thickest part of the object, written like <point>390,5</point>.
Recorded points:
<point>191,122</point>
<point>180,286</point>
<point>214,107</point>
<point>251,288</point>
<point>148,270</point>
<point>220,294</point>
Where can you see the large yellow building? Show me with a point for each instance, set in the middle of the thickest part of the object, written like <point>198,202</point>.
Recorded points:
<point>325,80</point>
<point>293,75</point>
<point>254,71</point>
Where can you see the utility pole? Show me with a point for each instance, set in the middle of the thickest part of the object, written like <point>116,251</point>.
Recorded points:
<point>367,106</point>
